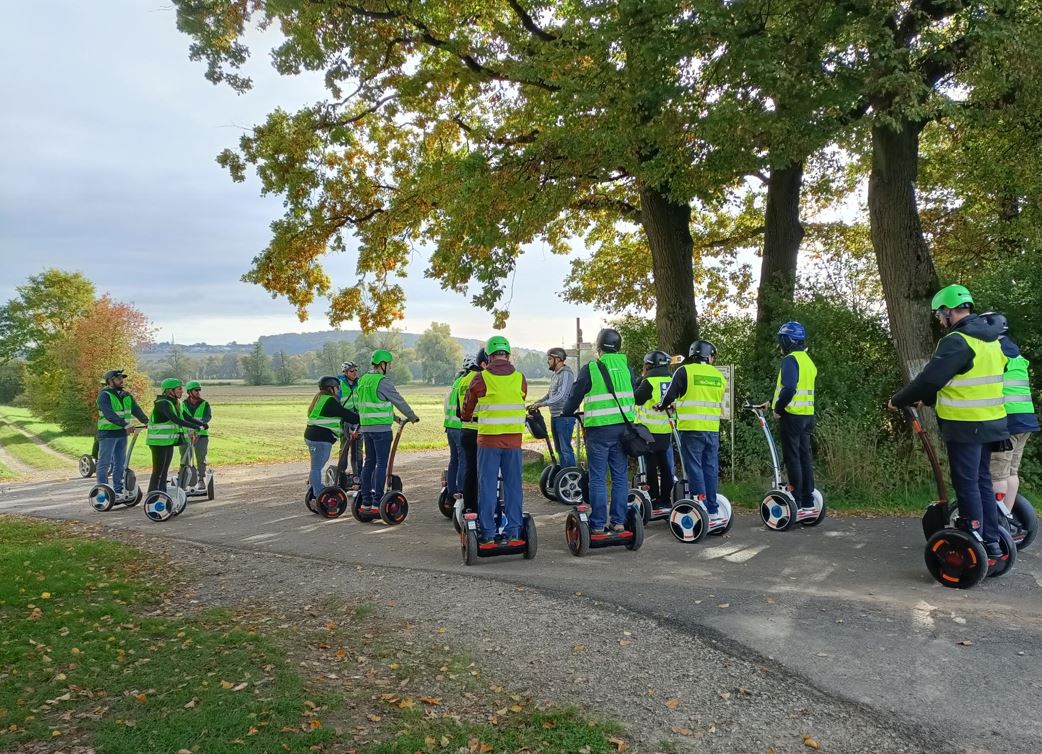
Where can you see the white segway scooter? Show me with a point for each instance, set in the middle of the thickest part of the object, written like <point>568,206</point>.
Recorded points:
<point>162,506</point>
<point>689,518</point>
<point>188,475</point>
<point>102,497</point>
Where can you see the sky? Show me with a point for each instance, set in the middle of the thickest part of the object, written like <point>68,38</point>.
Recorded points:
<point>108,134</point>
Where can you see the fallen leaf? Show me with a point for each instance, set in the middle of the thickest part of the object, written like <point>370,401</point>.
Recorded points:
<point>725,695</point>
<point>47,596</point>
<point>54,733</point>
<point>431,700</point>
<point>406,703</point>
<point>724,604</point>
<point>810,743</point>
<point>672,703</point>
<point>331,626</point>
<point>240,687</point>
<point>578,648</point>
<point>965,643</point>
<point>548,724</point>
<point>141,698</point>
<point>315,723</point>
<point>252,731</point>
<point>516,708</point>
<point>226,684</point>
<point>681,731</point>
<point>624,642</point>
<point>394,666</point>
<point>484,748</point>
<point>191,704</point>
<point>620,745</point>
<point>374,718</point>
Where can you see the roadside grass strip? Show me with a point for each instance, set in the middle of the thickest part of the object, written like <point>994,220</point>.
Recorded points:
<point>27,451</point>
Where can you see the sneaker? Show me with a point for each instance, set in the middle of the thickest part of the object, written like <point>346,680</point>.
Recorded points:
<point>485,541</point>
<point>614,528</point>
<point>597,531</point>
<point>995,552</point>
<point>807,506</point>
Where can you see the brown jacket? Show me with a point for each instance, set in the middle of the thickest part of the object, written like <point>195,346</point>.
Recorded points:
<point>501,367</point>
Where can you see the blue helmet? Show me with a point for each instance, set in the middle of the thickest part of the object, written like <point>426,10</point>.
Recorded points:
<point>791,336</point>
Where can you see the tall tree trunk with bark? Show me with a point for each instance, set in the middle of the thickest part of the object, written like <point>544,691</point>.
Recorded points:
<point>667,226</point>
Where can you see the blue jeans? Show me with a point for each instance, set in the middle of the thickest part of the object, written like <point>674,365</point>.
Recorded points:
<point>604,453</point>
<point>457,461</point>
<point>491,463</point>
<point>700,452</point>
<point>374,468</point>
<point>319,452</point>
<point>971,476</point>
<point>112,451</point>
<point>562,428</point>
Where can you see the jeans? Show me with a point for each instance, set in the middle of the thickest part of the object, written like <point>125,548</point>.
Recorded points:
<point>604,452</point>
<point>562,428</point>
<point>491,463</point>
<point>319,452</point>
<point>971,476</point>
<point>162,455</point>
<point>112,451</point>
<point>469,469</point>
<point>659,470</point>
<point>374,468</point>
<point>700,452</point>
<point>454,474</point>
<point>796,433</point>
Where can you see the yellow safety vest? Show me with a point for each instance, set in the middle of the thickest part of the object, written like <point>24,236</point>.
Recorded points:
<point>461,394</point>
<point>700,407</point>
<point>656,421</point>
<point>802,404</point>
<point>976,395</point>
<point>501,411</point>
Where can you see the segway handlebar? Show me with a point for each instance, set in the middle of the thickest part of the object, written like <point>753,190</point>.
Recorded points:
<point>935,465</point>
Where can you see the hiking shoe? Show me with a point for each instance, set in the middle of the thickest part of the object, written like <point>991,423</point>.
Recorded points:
<point>995,552</point>
<point>614,528</point>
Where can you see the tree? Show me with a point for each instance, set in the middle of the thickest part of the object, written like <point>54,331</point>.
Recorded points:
<point>45,308</point>
<point>12,380</point>
<point>439,355</point>
<point>179,365</point>
<point>256,367</point>
<point>288,369</point>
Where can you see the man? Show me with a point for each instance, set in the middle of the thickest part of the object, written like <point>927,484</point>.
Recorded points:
<point>469,435</point>
<point>199,409</point>
<point>115,407</point>
<point>604,423</point>
<point>793,406</point>
<point>650,392</point>
<point>375,399</point>
<point>964,379</point>
<point>497,396</point>
<point>350,437</point>
<point>454,431</point>
<point>561,427</point>
<point>698,389</point>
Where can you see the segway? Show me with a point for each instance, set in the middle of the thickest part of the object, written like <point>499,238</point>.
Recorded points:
<point>689,517</point>
<point>88,463</point>
<point>525,545</point>
<point>1022,523</point>
<point>571,482</point>
<point>778,509</point>
<point>458,513</point>
<point>331,476</point>
<point>445,501</point>
<point>393,507</point>
<point>188,475</point>
<point>537,427</point>
<point>102,497</point>
<point>332,500</point>
<point>581,540</point>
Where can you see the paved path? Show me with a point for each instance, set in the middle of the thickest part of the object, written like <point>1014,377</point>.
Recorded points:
<point>848,605</point>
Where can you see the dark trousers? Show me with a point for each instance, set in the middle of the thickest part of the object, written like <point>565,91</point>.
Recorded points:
<point>796,434</point>
<point>469,439</point>
<point>374,468</point>
<point>971,476</point>
<point>162,455</point>
<point>659,470</point>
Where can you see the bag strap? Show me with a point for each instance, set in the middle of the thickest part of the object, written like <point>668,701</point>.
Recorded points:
<point>611,389</point>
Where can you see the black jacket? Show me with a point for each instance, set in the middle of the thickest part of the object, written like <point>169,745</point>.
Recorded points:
<point>163,409</point>
<point>953,356</point>
<point>330,409</point>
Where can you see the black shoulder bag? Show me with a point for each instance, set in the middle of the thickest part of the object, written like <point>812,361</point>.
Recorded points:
<point>637,440</point>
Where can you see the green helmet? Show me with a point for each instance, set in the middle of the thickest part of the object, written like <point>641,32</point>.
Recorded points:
<point>951,297</point>
<point>382,356</point>
<point>170,383</point>
<point>193,385</point>
<point>496,344</point>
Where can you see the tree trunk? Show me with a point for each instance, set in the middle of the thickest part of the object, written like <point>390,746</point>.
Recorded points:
<point>667,226</point>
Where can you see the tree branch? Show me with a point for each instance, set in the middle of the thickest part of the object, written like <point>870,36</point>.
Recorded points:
<point>607,204</point>
<point>529,23</point>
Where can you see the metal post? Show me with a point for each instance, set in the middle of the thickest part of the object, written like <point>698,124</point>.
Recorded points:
<point>578,345</point>
<point>734,413</point>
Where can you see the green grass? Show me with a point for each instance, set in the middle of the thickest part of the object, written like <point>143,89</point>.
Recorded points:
<point>6,474</point>
<point>27,451</point>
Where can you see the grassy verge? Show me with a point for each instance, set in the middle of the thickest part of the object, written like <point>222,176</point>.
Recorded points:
<point>27,451</point>
<point>92,655</point>
<point>6,474</point>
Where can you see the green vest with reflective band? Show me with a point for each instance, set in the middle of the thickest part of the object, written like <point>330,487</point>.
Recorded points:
<point>122,409</point>
<point>163,433</point>
<point>461,395</point>
<point>348,401</point>
<point>802,404</point>
<point>451,401</point>
<point>700,407</point>
<point>599,408</point>
<point>977,395</point>
<point>501,410</point>
<point>1016,388</point>
<point>372,410</point>
<point>656,421</point>
<point>197,414</point>
<point>315,418</point>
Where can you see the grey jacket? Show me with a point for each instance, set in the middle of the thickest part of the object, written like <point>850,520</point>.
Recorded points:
<point>388,392</point>
<point>560,388</point>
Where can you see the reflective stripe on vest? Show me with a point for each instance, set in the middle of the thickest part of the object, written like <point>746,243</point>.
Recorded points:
<point>802,404</point>
<point>656,421</point>
<point>977,395</point>
<point>700,407</point>
<point>461,395</point>
<point>1016,387</point>
<point>501,411</point>
<point>163,433</point>
<point>372,411</point>
<point>122,408</point>
<point>599,408</point>
<point>452,421</point>
<point>315,418</point>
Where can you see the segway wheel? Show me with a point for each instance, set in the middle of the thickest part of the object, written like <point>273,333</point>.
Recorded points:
<point>329,476</point>
<point>577,534</point>
<point>358,513</point>
<point>102,498</point>
<point>635,524</point>
<point>778,511</point>
<point>209,489</point>
<point>688,521</point>
<point>445,502</point>
<point>180,501</point>
<point>679,491</point>
<point>87,466</point>
<point>393,508</point>
<point>546,482</point>
<point>725,505</point>
<point>469,543</point>
<point>955,559</point>
<point>331,502</point>
<point>396,483</point>
<point>159,506</point>
<point>568,485</point>
<point>819,499</point>
<point>129,479</point>
<point>137,498</point>
<point>640,498</point>
<point>1026,518</point>
<point>531,538</point>
<point>1009,549</point>
<point>457,515</point>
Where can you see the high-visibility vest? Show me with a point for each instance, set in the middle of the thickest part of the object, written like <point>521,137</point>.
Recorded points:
<point>599,408</point>
<point>315,418</point>
<point>452,421</point>
<point>197,414</point>
<point>461,395</point>
<point>656,421</point>
<point>372,410</point>
<point>347,400</point>
<point>163,433</point>
<point>700,407</point>
<point>802,404</point>
<point>501,410</point>
<point>1016,387</point>
<point>122,407</point>
<point>977,395</point>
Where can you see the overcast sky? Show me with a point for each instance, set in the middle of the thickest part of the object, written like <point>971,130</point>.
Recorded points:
<point>108,135</point>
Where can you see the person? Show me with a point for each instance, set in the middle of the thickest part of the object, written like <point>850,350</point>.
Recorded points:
<point>964,380</point>
<point>793,406</point>
<point>326,416</point>
<point>651,391</point>
<point>199,409</point>
<point>469,436</point>
<point>561,427</point>
<point>698,390</point>
<point>604,423</point>
<point>350,436</point>
<point>453,432</point>
<point>165,430</point>
<point>115,408</point>
<point>496,397</point>
<point>375,398</point>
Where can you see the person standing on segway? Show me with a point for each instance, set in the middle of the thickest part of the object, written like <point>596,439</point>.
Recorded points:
<point>561,427</point>
<point>964,381</point>
<point>349,433</point>
<point>115,407</point>
<point>454,431</point>
<point>649,393</point>
<point>376,397</point>
<point>604,423</point>
<point>469,436</point>
<point>497,397</point>
<point>166,428</point>
<point>325,419</point>
<point>197,408</point>
<point>698,389</point>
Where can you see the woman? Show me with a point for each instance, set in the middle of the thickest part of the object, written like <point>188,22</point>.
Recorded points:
<point>165,430</point>
<point>324,417</point>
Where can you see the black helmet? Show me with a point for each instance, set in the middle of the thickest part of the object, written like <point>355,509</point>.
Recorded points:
<point>113,373</point>
<point>482,357</point>
<point>657,359</point>
<point>609,340</point>
<point>701,350</point>
<point>997,319</point>
<point>558,353</point>
<point>328,382</point>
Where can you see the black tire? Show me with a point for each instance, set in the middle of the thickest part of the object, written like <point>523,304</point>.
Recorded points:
<point>635,524</point>
<point>679,491</point>
<point>469,541</point>
<point>457,516</point>
<point>774,519</point>
<point>445,502</point>
<point>356,511</point>
<point>1009,549</point>
<point>102,498</point>
<point>209,488</point>
<point>396,483</point>
<point>331,502</point>
<point>821,516</point>
<point>955,559</point>
<point>577,534</point>
<point>688,522</point>
<point>394,508</point>
<point>309,500</point>
<point>568,485</point>
<point>546,481</point>
<point>640,498</point>
<point>531,537</point>
<point>87,466</point>
<point>1026,517</point>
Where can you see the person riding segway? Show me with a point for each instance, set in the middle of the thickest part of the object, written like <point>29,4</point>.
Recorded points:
<point>562,428</point>
<point>469,441</point>
<point>115,408</point>
<point>165,432</point>
<point>326,417</point>
<point>351,437</point>
<point>453,433</point>
<point>655,488</point>
<point>196,479</point>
